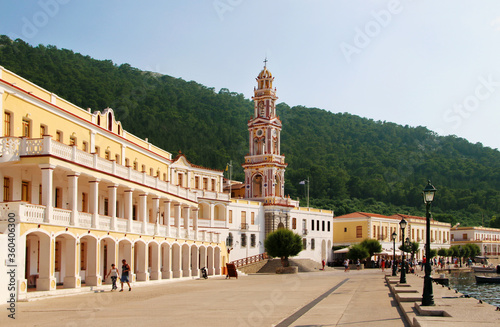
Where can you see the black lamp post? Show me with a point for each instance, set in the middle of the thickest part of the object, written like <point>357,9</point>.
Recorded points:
<point>402,225</point>
<point>460,255</point>
<point>394,268</point>
<point>407,248</point>
<point>428,296</point>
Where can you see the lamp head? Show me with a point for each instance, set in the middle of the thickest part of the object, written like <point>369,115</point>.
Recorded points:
<point>428,192</point>
<point>402,223</point>
<point>394,235</point>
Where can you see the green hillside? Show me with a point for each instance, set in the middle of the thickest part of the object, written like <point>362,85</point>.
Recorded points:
<point>353,163</point>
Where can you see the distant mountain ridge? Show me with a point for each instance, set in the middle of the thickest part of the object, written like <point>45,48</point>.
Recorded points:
<point>353,163</point>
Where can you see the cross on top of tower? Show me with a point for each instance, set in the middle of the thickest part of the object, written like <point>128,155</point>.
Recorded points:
<point>265,62</point>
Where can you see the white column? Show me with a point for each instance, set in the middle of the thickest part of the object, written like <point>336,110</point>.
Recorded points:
<point>143,211</point>
<point>195,222</point>
<point>187,211</point>
<point>212,214</point>
<point>94,202</point>
<point>156,213</point>
<point>112,189</point>
<point>128,208</point>
<point>177,218</point>
<point>92,141</point>
<point>47,190</point>
<point>166,215</point>
<point>122,157</point>
<point>73,197</point>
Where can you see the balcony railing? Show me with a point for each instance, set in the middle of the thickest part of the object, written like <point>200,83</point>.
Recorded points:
<point>31,213</point>
<point>244,226</point>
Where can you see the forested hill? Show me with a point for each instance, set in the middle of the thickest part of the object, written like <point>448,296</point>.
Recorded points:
<point>353,163</point>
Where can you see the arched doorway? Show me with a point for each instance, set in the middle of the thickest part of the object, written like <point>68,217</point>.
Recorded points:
<point>257,186</point>
<point>141,261</point>
<point>154,260</point>
<point>210,260</point>
<point>166,271</point>
<point>107,257</point>
<point>89,261</point>
<point>176,260</point>
<point>38,262</point>
<point>65,263</point>
<point>195,269</point>
<point>185,261</point>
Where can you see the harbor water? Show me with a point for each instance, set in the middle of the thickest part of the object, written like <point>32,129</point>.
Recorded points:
<point>465,283</point>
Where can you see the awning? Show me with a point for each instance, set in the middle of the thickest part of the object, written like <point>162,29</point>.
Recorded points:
<point>344,250</point>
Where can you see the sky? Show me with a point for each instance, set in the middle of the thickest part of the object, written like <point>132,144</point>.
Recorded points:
<point>412,62</point>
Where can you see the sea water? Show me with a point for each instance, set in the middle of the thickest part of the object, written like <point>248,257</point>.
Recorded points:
<point>465,283</point>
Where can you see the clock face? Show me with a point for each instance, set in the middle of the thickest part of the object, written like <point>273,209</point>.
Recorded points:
<point>259,132</point>
<point>274,133</point>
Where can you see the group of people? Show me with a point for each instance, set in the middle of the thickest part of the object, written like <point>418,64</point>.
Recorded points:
<point>346,265</point>
<point>114,274</point>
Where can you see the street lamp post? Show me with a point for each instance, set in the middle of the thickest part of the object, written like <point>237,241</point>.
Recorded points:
<point>402,225</point>
<point>407,247</point>
<point>460,255</point>
<point>428,296</point>
<point>394,268</point>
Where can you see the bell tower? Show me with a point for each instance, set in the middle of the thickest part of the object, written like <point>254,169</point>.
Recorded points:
<point>264,165</point>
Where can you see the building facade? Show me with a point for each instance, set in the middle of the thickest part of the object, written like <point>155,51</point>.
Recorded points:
<point>355,227</point>
<point>80,193</point>
<point>488,239</point>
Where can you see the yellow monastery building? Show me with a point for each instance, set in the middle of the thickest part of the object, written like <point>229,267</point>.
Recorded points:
<point>354,227</point>
<point>80,193</point>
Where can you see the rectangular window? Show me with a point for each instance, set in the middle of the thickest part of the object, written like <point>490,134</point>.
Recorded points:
<point>143,168</point>
<point>312,224</point>
<point>136,165</point>
<point>179,179</point>
<point>323,226</point>
<point>83,256</point>
<point>59,136</point>
<point>197,182</point>
<point>26,132</point>
<point>151,172</point>
<point>230,216</point>
<point>6,124</point>
<point>359,232</point>
<point>294,223</point>
<point>313,245</point>
<point>317,225</point>
<point>72,140</point>
<point>134,212</point>
<point>243,219</point>
<point>58,256</point>
<point>85,146</point>
<point>252,218</point>
<point>107,155</point>
<point>97,150</point>
<point>304,244</point>
<point>252,240</point>
<point>328,226</point>
<point>205,183</point>
<point>25,191</point>
<point>213,184</point>
<point>117,159</point>
<point>6,189</point>
<point>464,237</point>
<point>243,240</point>
<point>43,130</point>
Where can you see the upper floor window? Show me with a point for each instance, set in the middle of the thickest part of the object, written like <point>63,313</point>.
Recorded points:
<point>196,182</point>
<point>85,146</point>
<point>43,130</point>
<point>26,128</point>
<point>107,154</point>
<point>213,184</point>
<point>72,140</point>
<point>294,223</point>
<point>6,189</point>
<point>7,124</point>
<point>59,136</point>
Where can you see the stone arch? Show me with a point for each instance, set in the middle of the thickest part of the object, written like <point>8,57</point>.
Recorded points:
<point>257,186</point>
<point>323,250</point>
<point>202,253</point>
<point>210,260</point>
<point>165,262</point>
<point>195,268</point>
<point>329,250</point>
<point>108,256</point>
<point>38,261</point>
<point>154,260</point>
<point>176,260</point>
<point>125,253</point>
<point>220,212</point>
<point>141,260</point>
<point>204,210</point>
<point>217,264</point>
<point>89,265</point>
<point>277,185</point>
<point>185,260</point>
<point>65,261</point>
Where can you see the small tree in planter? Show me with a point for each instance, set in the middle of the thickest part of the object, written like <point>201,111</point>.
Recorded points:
<point>283,243</point>
<point>372,246</point>
<point>357,251</point>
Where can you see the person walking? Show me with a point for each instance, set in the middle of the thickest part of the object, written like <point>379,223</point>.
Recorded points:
<point>346,265</point>
<point>113,272</point>
<point>125,275</point>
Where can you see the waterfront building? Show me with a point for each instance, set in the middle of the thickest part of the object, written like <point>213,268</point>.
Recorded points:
<point>354,227</point>
<point>85,193</point>
<point>488,239</point>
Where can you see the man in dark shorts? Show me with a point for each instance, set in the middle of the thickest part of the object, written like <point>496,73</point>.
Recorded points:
<point>125,275</point>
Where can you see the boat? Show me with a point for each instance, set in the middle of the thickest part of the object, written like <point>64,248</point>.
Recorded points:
<point>484,279</point>
<point>485,269</point>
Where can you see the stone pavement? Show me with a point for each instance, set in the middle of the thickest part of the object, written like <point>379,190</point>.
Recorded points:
<point>325,298</point>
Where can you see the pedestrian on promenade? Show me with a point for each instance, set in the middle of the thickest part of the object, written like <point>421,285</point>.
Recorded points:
<point>323,264</point>
<point>114,275</point>
<point>125,275</point>
<point>358,264</point>
<point>346,265</point>
<point>382,264</point>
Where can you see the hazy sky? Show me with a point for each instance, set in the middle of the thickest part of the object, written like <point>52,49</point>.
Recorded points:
<point>415,62</point>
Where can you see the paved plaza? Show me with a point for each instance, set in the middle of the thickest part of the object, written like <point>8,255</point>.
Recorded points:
<point>327,298</point>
